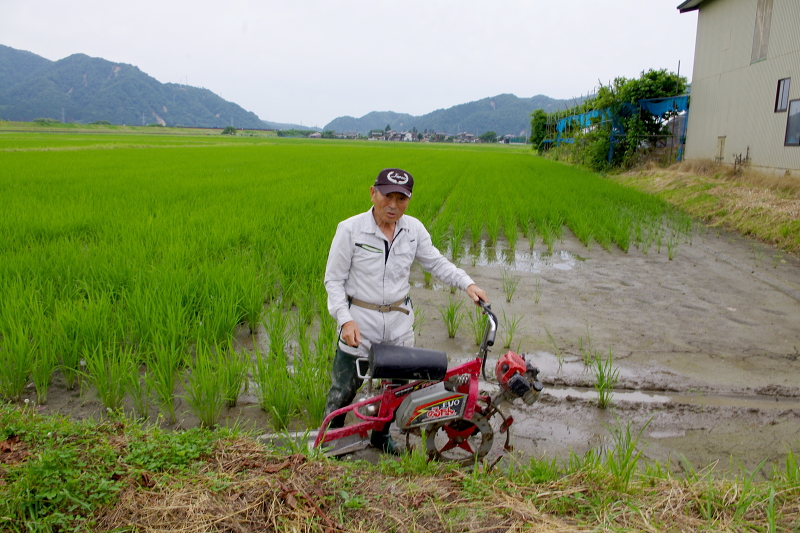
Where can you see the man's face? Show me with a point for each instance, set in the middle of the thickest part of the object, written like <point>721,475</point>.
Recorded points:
<point>389,208</point>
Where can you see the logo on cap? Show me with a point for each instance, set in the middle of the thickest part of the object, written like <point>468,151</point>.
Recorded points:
<point>399,179</point>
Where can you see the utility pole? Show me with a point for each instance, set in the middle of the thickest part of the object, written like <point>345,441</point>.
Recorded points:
<point>62,115</point>
<point>142,118</point>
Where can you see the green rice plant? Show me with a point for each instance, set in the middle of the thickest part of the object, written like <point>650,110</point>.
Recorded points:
<point>558,353</point>
<point>16,361</point>
<point>511,326</point>
<point>81,324</point>
<point>475,228</point>
<point>531,234</point>
<point>622,459</point>
<point>549,237</point>
<point>457,232</point>
<point>277,325</point>
<point>327,336</point>
<point>45,362</point>
<point>205,388</point>
<point>420,317</point>
<point>477,324</point>
<point>307,307</point>
<point>163,368</point>
<point>438,232</point>
<point>510,229</point>
<point>509,284</point>
<point>139,391</point>
<point>109,366</point>
<point>603,236</point>
<point>275,390</point>
<point>672,247</point>
<point>219,320</point>
<point>493,223</point>
<point>452,315</point>
<point>558,222</point>
<point>647,242</point>
<point>606,377</point>
<point>312,380</point>
<point>537,291</point>
<point>427,279</point>
<point>254,293</point>
<point>581,226</point>
<point>233,370</point>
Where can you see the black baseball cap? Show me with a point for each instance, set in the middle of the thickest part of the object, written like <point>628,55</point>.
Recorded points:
<point>391,180</point>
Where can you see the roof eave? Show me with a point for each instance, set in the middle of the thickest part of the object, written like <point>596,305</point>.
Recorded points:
<point>690,5</point>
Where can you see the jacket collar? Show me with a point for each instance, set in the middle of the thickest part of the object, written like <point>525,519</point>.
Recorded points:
<point>370,226</point>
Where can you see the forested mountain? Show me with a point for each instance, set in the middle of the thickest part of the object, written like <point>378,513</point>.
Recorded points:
<point>503,114</point>
<point>84,89</point>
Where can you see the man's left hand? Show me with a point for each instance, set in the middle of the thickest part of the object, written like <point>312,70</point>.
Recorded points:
<point>477,294</point>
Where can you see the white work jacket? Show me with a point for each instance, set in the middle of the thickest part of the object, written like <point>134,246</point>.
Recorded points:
<point>363,264</point>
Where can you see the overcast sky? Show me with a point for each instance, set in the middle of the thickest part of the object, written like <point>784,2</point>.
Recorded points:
<point>310,61</point>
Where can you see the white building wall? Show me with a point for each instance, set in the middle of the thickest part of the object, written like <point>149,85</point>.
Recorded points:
<point>734,99</point>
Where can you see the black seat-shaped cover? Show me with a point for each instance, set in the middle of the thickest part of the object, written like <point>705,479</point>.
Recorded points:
<point>402,362</point>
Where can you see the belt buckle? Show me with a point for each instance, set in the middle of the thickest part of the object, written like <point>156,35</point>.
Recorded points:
<point>384,308</point>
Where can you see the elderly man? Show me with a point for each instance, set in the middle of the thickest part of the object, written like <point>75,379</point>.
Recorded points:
<point>367,280</point>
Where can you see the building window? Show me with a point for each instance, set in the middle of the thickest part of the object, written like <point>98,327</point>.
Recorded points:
<point>782,96</point>
<point>761,33</point>
<point>793,124</point>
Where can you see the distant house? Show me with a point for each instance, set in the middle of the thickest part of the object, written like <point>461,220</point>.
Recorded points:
<point>465,137</point>
<point>745,99</point>
<point>315,135</point>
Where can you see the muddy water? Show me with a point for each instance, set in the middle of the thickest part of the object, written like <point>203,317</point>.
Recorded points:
<point>707,348</point>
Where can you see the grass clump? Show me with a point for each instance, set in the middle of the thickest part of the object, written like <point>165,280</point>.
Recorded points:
<point>61,475</point>
<point>453,316</point>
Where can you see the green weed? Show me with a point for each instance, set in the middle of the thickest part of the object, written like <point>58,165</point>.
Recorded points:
<point>452,315</point>
<point>511,326</point>
<point>509,284</point>
<point>477,324</point>
<point>606,377</point>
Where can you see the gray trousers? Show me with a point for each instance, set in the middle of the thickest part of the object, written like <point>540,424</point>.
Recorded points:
<point>344,386</point>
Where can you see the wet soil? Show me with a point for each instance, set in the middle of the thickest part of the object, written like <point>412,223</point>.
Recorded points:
<point>707,345</point>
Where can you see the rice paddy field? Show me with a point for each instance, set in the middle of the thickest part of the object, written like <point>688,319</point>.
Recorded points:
<point>178,279</point>
<point>138,249</point>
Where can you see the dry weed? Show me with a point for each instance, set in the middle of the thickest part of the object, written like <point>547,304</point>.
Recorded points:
<point>752,203</point>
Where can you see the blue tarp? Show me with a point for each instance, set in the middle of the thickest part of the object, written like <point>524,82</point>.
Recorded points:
<point>655,106</point>
<point>584,120</point>
<point>661,106</point>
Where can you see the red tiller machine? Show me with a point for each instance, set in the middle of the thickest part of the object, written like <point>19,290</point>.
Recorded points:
<point>439,408</point>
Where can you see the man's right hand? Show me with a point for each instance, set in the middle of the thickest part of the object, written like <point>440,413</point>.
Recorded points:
<point>351,334</point>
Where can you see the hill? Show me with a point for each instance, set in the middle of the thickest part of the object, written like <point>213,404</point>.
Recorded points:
<point>84,89</point>
<point>503,114</point>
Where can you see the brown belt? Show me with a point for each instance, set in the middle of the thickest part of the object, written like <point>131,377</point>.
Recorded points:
<point>381,308</point>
